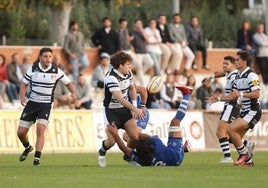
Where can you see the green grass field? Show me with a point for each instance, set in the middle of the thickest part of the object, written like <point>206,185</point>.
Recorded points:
<point>199,169</point>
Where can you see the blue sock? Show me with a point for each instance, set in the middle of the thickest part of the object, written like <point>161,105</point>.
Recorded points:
<point>183,107</point>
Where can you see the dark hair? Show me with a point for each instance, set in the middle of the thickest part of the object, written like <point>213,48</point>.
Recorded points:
<point>245,56</point>
<point>13,55</point>
<point>176,14</point>
<point>121,20</point>
<point>105,18</point>
<point>4,59</point>
<point>151,19</point>
<point>119,58</point>
<point>230,58</point>
<point>219,90</point>
<point>145,149</point>
<point>73,22</point>
<point>45,49</point>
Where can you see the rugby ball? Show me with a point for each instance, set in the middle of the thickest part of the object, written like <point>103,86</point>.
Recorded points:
<point>155,84</point>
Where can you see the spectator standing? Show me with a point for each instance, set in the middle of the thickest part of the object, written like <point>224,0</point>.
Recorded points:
<point>5,86</point>
<point>261,42</point>
<point>74,47</point>
<point>245,38</point>
<point>15,71</point>
<point>125,45</point>
<point>106,39</point>
<point>178,36</point>
<point>83,93</point>
<point>97,79</point>
<point>153,45</point>
<point>171,58</point>
<point>139,43</point>
<point>195,38</point>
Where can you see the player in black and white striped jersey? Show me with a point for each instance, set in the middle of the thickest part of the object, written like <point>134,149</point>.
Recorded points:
<point>248,93</point>
<point>118,111</point>
<point>42,78</point>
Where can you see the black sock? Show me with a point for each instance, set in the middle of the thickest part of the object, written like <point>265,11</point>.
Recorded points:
<point>103,149</point>
<point>37,155</point>
<point>26,145</point>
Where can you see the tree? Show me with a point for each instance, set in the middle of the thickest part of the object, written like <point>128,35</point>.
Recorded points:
<point>60,13</point>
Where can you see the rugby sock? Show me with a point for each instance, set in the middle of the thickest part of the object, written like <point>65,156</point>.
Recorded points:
<point>37,155</point>
<point>27,145</point>
<point>242,150</point>
<point>103,149</point>
<point>183,107</point>
<point>224,144</point>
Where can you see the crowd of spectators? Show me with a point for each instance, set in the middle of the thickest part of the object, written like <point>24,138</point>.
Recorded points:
<point>159,46</point>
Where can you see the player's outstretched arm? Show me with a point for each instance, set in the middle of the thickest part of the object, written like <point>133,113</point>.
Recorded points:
<point>216,75</point>
<point>138,112</point>
<point>73,96</point>
<point>114,131</point>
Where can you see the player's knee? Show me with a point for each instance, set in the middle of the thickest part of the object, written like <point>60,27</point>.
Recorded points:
<point>175,122</point>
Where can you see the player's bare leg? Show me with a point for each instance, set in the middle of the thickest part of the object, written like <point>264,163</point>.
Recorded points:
<point>22,134</point>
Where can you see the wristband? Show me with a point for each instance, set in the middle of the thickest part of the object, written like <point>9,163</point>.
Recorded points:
<point>134,102</point>
<point>241,94</point>
<point>219,98</point>
<point>142,105</point>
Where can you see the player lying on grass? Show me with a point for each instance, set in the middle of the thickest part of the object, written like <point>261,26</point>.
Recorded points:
<point>150,150</point>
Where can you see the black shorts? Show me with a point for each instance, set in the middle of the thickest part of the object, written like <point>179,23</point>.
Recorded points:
<point>34,111</point>
<point>230,112</point>
<point>118,116</point>
<point>252,117</point>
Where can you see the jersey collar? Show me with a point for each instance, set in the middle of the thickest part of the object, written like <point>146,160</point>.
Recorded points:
<point>44,70</point>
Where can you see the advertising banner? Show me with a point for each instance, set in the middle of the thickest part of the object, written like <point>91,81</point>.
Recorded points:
<point>68,131</point>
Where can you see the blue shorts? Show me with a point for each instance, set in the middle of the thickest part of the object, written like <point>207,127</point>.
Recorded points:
<point>175,148</point>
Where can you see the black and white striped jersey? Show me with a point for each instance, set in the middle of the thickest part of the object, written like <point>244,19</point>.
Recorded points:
<point>113,81</point>
<point>230,83</point>
<point>246,82</point>
<point>43,82</point>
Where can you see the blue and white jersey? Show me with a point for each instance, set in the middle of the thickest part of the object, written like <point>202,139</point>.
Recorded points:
<point>230,83</point>
<point>246,82</point>
<point>171,155</point>
<point>115,81</point>
<point>43,82</point>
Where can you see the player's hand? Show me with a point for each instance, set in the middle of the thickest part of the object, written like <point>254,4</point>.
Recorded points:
<point>23,101</point>
<point>139,113</point>
<point>73,98</point>
<point>212,99</point>
<point>112,129</point>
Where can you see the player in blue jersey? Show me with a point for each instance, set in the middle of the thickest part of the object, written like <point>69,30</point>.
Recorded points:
<point>150,150</point>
